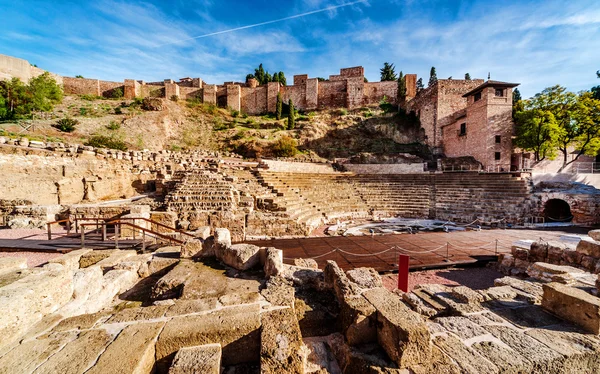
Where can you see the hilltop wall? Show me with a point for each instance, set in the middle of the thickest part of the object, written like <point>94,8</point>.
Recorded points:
<point>22,69</point>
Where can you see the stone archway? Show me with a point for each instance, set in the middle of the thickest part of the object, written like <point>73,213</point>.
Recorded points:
<point>557,210</point>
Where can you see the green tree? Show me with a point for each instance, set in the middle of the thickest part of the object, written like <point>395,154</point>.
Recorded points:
<point>264,77</point>
<point>388,73</point>
<point>432,77</point>
<point>285,146</point>
<point>468,77</point>
<point>291,116</point>
<point>279,106</point>
<point>420,84</point>
<point>281,78</point>
<point>587,118</point>
<point>596,90</point>
<point>517,102</point>
<point>401,87</point>
<point>79,76</point>
<point>44,92</point>
<point>537,131</point>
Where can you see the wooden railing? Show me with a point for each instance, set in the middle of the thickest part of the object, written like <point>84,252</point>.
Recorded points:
<point>49,225</point>
<point>118,225</point>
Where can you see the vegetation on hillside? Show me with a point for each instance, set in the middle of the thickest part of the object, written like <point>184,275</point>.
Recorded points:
<point>19,100</point>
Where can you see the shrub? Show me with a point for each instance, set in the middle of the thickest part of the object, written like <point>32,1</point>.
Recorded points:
<point>285,146</point>
<point>113,125</point>
<point>175,98</point>
<point>101,141</point>
<point>117,93</point>
<point>90,97</point>
<point>386,106</point>
<point>118,110</point>
<point>137,102</point>
<point>235,113</point>
<point>66,124</point>
<point>342,112</point>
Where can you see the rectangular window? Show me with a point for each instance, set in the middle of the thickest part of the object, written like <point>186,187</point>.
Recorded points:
<point>497,156</point>
<point>499,92</point>
<point>477,96</point>
<point>463,129</point>
<point>498,139</point>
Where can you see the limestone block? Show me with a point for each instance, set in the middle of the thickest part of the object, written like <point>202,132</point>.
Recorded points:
<point>279,292</point>
<point>588,263</point>
<point>78,355</point>
<point>192,248</point>
<point>222,237</point>
<point>553,273</point>
<point>199,359</point>
<point>139,314</point>
<point>132,352</point>
<point>594,234</point>
<point>80,322</point>
<point>171,284</point>
<point>157,263</point>
<point>273,262</point>
<point>502,357</point>
<point>25,301</point>
<point>70,260</point>
<point>32,353</point>
<point>401,332</point>
<point>241,256</point>
<point>500,293</point>
<point>467,295</point>
<point>417,304</point>
<point>134,263</point>
<point>281,346</point>
<point>589,247</point>
<point>115,258</point>
<point>574,305</point>
<point>365,277</point>
<point>358,320</point>
<point>86,283</point>
<point>12,264</point>
<point>519,252</point>
<point>306,263</point>
<point>236,328</point>
<point>93,257</point>
<point>113,283</point>
<point>181,307</point>
<point>466,358</point>
<point>538,251</point>
<point>303,277</point>
<point>166,218</point>
<point>202,232</point>
<point>532,291</point>
<point>336,278</point>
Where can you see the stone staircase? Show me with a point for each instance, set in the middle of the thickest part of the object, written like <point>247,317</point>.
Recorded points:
<point>201,191</point>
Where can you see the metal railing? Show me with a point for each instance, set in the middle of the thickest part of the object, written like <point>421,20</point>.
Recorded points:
<point>585,168</point>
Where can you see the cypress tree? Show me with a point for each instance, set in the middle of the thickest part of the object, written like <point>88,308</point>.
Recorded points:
<point>279,106</point>
<point>468,77</point>
<point>401,87</point>
<point>432,77</point>
<point>282,79</point>
<point>420,84</point>
<point>291,116</point>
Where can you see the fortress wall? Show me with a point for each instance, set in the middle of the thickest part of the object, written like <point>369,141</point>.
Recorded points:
<point>375,91</point>
<point>81,86</point>
<point>356,71</point>
<point>296,93</point>
<point>332,94</point>
<point>254,100</point>
<point>190,92</point>
<point>14,67</point>
<point>425,107</point>
<point>108,88</point>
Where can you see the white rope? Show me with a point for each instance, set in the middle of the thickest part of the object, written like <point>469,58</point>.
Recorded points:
<point>365,255</point>
<point>420,252</point>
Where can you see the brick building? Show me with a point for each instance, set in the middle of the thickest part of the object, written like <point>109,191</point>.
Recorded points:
<point>468,118</point>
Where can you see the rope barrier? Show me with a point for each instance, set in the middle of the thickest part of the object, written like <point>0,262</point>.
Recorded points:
<point>561,220</point>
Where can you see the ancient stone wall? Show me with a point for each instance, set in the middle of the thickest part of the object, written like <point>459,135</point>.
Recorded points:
<point>190,92</point>
<point>374,92</point>
<point>296,167</point>
<point>385,168</point>
<point>425,107</point>
<point>22,69</point>
<point>81,86</point>
<point>296,93</point>
<point>332,94</point>
<point>254,100</point>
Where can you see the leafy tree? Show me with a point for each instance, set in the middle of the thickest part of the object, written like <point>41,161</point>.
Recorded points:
<point>79,76</point>
<point>517,102</point>
<point>432,77</point>
<point>264,77</point>
<point>596,90</point>
<point>15,101</point>
<point>468,77</point>
<point>44,92</point>
<point>279,106</point>
<point>401,87</point>
<point>420,84</point>
<point>516,96</point>
<point>587,117</point>
<point>291,116</point>
<point>537,132</point>
<point>388,73</point>
<point>281,78</point>
<point>598,73</point>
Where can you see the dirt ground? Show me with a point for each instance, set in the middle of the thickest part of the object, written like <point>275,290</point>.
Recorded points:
<point>475,278</point>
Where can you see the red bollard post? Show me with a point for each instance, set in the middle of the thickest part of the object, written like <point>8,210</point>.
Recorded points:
<point>403,261</point>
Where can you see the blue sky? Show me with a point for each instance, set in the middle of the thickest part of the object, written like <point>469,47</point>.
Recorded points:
<point>535,43</point>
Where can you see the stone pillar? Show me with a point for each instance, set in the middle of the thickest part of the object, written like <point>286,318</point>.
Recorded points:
<point>411,85</point>
<point>252,83</point>
<point>234,97</point>
<point>171,89</point>
<point>272,91</point>
<point>209,94</point>
<point>312,93</point>
<point>197,82</point>
<point>131,89</point>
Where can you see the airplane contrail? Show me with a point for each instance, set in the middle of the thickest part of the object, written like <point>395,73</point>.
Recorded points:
<point>266,22</point>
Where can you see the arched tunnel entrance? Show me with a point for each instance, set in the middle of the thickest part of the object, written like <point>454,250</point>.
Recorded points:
<point>557,210</point>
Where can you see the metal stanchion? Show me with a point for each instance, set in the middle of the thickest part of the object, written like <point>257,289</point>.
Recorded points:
<point>49,231</point>
<point>116,236</point>
<point>403,262</point>
<point>82,238</point>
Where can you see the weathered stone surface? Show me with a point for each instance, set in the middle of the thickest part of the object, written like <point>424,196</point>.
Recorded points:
<point>359,320</point>
<point>336,279</point>
<point>279,292</point>
<point>93,257</point>
<point>401,332</point>
<point>30,354</point>
<point>531,290</point>
<point>467,295</point>
<point>501,293</point>
<point>86,282</point>
<point>594,234</point>
<point>202,232</point>
<point>502,356</point>
<point>80,322</point>
<point>239,298</point>
<point>574,305</point>
<point>365,277</point>
<point>139,314</point>
<point>466,358</point>
<point>306,263</point>
<point>171,284</point>
<point>182,307</point>
<point>241,256</point>
<point>528,316</point>
<point>115,258</point>
<point>273,262</point>
<point>78,355</point>
<point>520,253</point>
<point>222,238</point>
<point>12,264</point>
<point>207,281</point>
<point>281,346</point>
<point>589,247</point>
<point>193,248</point>
<point>236,328</point>
<point>205,359</point>
<point>317,312</point>
<point>303,277</point>
<point>417,304</point>
<point>461,326</point>
<point>131,352</point>
<point>25,301</point>
<point>70,260</point>
<point>538,252</point>
<point>156,264</point>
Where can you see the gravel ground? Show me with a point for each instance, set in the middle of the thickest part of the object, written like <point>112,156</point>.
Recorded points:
<point>31,234</point>
<point>475,278</point>
<point>33,258</point>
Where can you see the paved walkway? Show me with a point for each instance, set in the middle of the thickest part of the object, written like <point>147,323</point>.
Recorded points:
<point>426,250</point>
